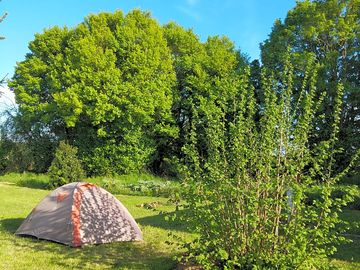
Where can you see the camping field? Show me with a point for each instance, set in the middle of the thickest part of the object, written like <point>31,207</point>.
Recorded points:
<point>28,253</point>
<point>16,202</point>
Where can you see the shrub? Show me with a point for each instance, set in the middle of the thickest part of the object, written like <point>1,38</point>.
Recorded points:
<point>65,167</point>
<point>247,178</point>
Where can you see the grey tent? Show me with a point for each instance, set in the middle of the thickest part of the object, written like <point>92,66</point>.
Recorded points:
<point>80,213</point>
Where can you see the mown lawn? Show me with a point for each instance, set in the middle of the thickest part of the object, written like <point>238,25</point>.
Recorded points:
<point>348,255</point>
<point>153,253</point>
<point>28,253</point>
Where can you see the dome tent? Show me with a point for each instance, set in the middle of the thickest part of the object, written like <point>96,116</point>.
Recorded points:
<point>80,213</point>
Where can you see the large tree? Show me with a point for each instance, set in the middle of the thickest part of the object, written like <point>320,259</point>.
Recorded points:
<point>330,30</point>
<point>104,86</point>
<point>206,71</point>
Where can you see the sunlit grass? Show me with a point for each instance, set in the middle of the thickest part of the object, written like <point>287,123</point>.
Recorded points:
<point>132,184</point>
<point>19,193</point>
<point>28,253</point>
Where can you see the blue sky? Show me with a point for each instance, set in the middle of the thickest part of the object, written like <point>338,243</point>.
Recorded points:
<point>246,22</point>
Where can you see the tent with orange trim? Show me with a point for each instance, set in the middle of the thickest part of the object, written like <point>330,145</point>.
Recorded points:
<point>80,213</point>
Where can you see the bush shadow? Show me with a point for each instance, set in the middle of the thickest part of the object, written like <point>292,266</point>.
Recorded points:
<point>33,183</point>
<point>349,251</point>
<point>160,221</point>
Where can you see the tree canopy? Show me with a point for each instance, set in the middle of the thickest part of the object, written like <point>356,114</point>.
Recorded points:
<point>105,86</point>
<point>329,30</point>
<point>119,88</point>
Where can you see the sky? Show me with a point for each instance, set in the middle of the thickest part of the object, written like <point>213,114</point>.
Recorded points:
<point>245,22</point>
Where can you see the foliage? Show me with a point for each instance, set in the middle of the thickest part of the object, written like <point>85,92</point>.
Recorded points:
<point>331,31</point>
<point>203,70</point>
<point>65,168</point>
<point>246,178</point>
<point>151,254</point>
<point>144,184</point>
<point>105,86</point>
<point>15,157</point>
<point>24,150</point>
<point>27,179</point>
<point>148,188</point>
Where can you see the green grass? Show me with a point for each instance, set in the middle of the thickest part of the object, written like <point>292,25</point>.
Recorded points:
<point>31,180</point>
<point>348,255</point>
<point>138,184</point>
<point>28,253</point>
<point>19,193</point>
<point>131,178</point>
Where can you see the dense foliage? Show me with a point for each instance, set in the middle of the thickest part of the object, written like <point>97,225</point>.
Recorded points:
<point>105,86</point>
<point>65,168</point>
<point>120,87</point>
<point>247,179</point>
<point>331,31</point>
<point>203,70</point>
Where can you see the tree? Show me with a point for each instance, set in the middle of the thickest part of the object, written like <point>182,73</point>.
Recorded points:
<point>204,71</point>
<point>23,148</point>
<point>330,30</point>
<point>65,167</point>
<point>104,86</point>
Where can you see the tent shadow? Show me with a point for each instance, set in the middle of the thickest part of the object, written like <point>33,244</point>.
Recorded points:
<point>10,225</point>
<point>117,255</point>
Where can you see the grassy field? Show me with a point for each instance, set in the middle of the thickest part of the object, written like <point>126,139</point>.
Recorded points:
<point>17,198</point>
<point>28,253</point>
<point>131,184</point>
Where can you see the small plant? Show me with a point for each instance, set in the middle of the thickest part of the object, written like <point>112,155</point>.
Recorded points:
<point>66,167</point>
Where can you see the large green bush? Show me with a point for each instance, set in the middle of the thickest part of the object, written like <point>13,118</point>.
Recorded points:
<point>65,168</point>
<point>247,180</point>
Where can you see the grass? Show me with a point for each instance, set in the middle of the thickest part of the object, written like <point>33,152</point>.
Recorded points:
<point>348,255</point>
<point>138,184</point>
<point>28,253</point>
<point>31,180</point>
<point>132,184</point>
<point>19,193</point>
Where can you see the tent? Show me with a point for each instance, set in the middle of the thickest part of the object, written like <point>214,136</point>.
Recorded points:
<point>80,213</point>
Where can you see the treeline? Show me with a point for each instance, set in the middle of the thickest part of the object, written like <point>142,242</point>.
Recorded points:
<point>127,91</point>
